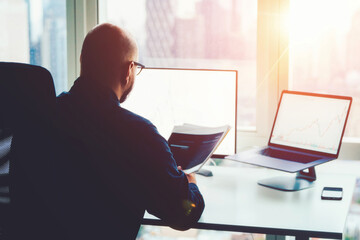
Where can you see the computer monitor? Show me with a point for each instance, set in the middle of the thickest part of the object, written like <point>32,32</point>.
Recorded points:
<point>173,96</point>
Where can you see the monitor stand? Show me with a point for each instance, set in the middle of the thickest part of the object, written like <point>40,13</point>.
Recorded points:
<point>303,180</point>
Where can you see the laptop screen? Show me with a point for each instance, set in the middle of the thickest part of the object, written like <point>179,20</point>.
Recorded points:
<point>312,122</point>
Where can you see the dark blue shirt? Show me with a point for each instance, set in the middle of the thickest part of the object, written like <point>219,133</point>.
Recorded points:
<point>113,166</point>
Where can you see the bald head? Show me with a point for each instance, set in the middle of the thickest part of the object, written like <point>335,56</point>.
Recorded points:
<point>105,54</point>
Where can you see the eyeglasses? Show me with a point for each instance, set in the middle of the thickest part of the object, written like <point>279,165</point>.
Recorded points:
<point>139,67</point>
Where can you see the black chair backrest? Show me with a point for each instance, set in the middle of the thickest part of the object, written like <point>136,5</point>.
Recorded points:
<point>26,91</point>
<point>5,144</point>
<point>27,105</point>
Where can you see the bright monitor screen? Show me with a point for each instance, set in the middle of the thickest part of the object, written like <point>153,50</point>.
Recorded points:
<point>310,122</point>
<point>169,97</point>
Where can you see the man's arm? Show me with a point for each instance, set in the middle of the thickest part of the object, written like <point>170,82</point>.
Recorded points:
<point>170,194</point>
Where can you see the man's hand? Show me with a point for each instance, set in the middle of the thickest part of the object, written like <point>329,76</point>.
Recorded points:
<point>190,177</point>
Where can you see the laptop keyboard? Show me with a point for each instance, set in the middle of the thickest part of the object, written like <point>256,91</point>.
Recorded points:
<point>296,157</point>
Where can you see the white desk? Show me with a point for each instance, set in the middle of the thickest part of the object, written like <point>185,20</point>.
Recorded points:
<point>235,202</point>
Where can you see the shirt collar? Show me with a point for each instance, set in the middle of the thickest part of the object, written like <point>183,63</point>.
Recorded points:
<point>92,89</point>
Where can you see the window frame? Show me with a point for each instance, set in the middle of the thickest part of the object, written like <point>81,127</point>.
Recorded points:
<point>82,16</point>
<point>272,57</point>
<point>272,64</point>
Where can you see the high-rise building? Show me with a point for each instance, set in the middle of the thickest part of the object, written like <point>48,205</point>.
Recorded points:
<point>53,47</point>
<point>160,19</point>
<point>353,46</point>
<point>189,36</point>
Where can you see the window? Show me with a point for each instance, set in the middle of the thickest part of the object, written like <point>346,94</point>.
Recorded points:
<point>34,32</point>
<point>205,34</point>
<point>325,51</point>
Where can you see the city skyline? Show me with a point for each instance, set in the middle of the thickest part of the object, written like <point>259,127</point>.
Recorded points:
<point>200,34</point>
<point>329,61</point>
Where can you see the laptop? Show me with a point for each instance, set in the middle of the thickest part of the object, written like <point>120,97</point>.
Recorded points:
<point>307,131</point>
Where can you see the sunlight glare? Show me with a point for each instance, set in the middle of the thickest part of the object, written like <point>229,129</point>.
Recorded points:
<point>309,19</point>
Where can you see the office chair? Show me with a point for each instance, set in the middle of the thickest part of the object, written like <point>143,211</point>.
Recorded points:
<point>27,105</point>
<point>5,143</point>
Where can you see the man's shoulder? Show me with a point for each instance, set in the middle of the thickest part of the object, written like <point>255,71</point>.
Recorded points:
<point>109,113</point>
<point>134,119</point>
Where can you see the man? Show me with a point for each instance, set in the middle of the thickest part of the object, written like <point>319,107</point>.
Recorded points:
<point>113,164</point>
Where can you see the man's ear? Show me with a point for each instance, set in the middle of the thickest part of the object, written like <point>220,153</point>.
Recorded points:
<point>129,72</point>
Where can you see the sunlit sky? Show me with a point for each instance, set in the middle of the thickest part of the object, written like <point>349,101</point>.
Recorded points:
<point>309,18</point>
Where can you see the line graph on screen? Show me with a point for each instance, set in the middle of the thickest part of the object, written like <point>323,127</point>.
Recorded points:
<point>312,128</point>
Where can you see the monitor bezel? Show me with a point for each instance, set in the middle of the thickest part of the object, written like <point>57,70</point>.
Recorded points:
<point>312,95</point>
<point>236,97</point>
